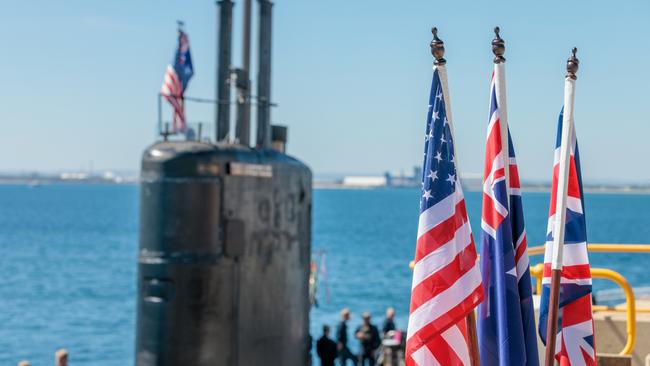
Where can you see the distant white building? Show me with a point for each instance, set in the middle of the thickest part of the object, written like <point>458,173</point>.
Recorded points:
<point>471,182</point>
<point>364,181</point>
<point>74,176</point>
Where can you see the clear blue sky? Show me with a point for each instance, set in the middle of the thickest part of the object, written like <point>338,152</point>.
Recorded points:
<point>80,78</point>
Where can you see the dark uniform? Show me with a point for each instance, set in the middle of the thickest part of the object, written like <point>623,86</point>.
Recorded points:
<point>389,325</point>
<point>342,339</point>
<point>370,341</point>
<point>326,350</point>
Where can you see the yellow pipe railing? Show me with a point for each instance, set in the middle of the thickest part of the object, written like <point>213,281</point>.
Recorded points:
<point>618,309</point>
<point>629,299</point>
<point>604,248</point>
<point>537,272</point>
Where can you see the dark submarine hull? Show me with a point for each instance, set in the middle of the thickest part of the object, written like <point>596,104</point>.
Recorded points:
<point>225,234</point>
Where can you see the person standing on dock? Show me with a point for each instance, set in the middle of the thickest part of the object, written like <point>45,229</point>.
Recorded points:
<point>61,358</point>
<point>389,322</point>
<point>342,339</point>
<point>368,336</point>
<point>326,348</point>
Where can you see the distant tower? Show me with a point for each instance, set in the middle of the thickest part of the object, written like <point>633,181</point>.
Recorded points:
<point>417,174</point>
<point>389,179</point>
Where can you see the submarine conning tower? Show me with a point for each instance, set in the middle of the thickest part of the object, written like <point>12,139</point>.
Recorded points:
<point>224,256</point>
<point>223,264</point>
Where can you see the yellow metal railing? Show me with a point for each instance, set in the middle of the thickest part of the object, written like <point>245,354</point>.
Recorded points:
<point>605,248</point>
<point>630,302</point>
<point>616,277</point>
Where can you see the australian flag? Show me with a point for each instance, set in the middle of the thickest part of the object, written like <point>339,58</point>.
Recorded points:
<point>506,323</point>
<point>575,338</point>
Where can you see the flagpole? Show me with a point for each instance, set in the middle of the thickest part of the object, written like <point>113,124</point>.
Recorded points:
<point>438,52</point>
<point>472,338</point>
<point>498,48</point>
<point>560,208</point>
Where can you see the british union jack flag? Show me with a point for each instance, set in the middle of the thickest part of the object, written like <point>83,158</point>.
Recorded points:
<point>575,339</point>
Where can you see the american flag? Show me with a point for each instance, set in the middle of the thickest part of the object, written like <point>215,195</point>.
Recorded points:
<point>575,339</point>
<point>177,76</point>
<point>506,319</point>
<point>446,276</point>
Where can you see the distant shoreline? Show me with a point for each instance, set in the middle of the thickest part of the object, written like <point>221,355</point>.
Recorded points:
<point>35,180</point>
<point>67,183</point>
<point>317,185</point>
<point>623,189</point>
<point>46,182</point>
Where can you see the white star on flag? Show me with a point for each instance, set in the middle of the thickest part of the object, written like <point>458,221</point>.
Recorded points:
<point>433,175</point>
<point>451,179</point>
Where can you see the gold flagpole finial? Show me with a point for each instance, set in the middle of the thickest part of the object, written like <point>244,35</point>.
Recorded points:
<point>498,47</point>
<point>437,48</point>
<point>572,65</point>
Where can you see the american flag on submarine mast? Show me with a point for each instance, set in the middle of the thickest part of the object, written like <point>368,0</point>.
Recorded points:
<point>177,76</point>
<point>575,343</point>
<point>506,319</point>
<point>446,276</point>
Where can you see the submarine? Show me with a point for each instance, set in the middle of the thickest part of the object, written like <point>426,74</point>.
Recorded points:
<point>225,232</point>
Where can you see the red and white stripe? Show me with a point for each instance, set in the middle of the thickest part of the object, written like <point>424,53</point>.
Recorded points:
<point>446,285</point>
<point>172,91</point>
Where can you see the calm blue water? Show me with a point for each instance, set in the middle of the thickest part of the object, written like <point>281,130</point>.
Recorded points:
<point>67,264</point>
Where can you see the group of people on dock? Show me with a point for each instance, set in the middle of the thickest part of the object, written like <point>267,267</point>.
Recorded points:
<point>368,335</point>
<point>60,359</point>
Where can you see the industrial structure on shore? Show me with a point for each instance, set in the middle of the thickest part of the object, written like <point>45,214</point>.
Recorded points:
<point>390,180</point>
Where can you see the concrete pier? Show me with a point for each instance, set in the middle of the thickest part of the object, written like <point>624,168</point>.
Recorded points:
<point>611,336</point>
<point>611,332</point>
